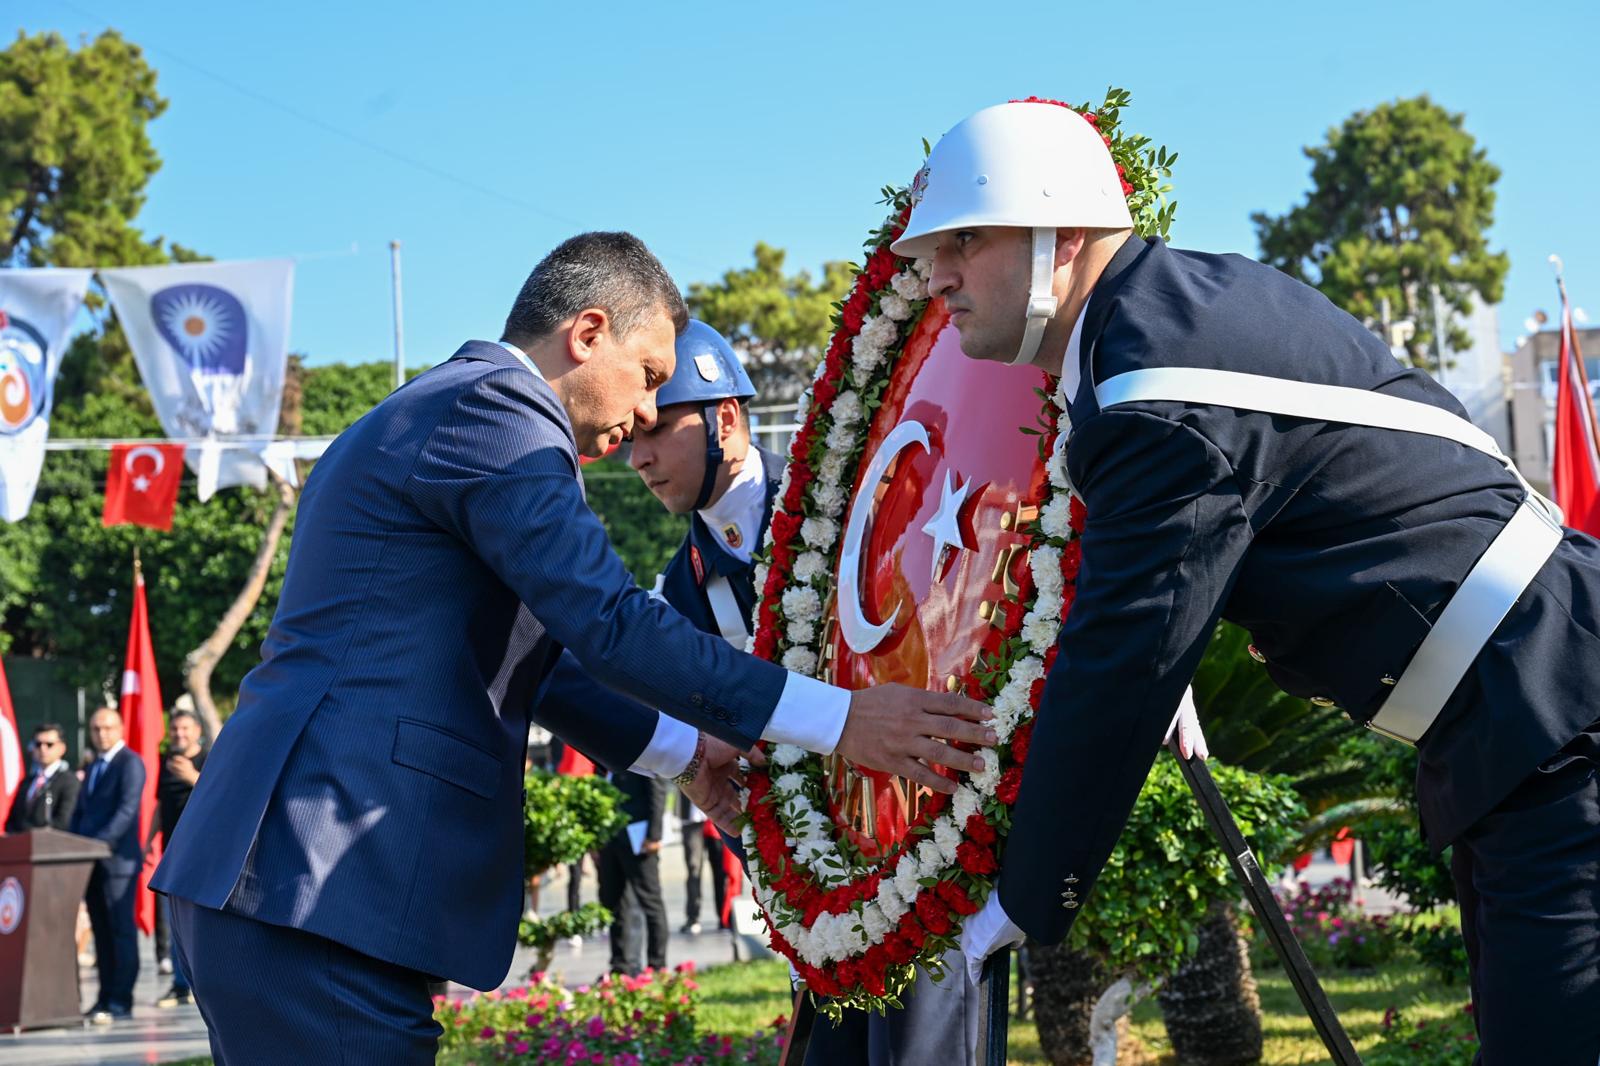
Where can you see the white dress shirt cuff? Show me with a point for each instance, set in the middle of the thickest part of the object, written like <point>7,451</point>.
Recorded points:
<point>670,749</point>
<point>810,714</point>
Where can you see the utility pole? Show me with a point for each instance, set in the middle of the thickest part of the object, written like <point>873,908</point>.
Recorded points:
<point>399,328</point>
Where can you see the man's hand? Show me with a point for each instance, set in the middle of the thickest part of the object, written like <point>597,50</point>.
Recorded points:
<point>1186,725</point>
<point>183,769</point>
<point>897,729</point>
<point>715,788</point>
<point>649,847</point>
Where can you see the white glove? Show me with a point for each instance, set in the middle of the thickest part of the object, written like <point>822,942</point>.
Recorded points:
<point>1186,723</point>
<point>987,932</point>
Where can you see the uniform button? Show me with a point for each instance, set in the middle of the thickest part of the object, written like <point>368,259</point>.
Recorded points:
<point>1322,701</point>
<point>1255,653</point>
<point>1387,680</point>
<point>697,700</point>
<point>1070,904</point>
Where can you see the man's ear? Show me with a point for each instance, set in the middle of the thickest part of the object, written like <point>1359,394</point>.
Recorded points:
<point>591,328</point>
<point>1069,243</point>
<point>727,419</point>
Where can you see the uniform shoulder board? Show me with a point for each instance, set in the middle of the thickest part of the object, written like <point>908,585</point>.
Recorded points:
<point>698,564</point>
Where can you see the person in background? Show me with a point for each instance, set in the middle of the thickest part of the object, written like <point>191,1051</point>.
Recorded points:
<point>47,799</point>
<point>701,841</point>
<point>630,876</point>
<point>109,811</point>
<point>179,774</point>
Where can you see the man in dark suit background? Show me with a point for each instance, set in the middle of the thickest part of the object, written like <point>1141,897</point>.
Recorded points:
<point>50,794</point>
<point>1246,450</point>
<point>358,828</point>
<point>108,810</point>
<point>630,876</point>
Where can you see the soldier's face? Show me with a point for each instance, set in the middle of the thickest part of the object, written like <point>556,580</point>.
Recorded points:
<point>613,391</point>
<point>983,275</point>
<point>105,729</point>
<point>670,456</point>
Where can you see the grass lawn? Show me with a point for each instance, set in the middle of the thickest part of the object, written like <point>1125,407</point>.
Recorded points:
<point>742,997</point>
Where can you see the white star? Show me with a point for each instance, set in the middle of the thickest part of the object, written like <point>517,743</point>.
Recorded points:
<point>141,483</point>
<point>943,527</point>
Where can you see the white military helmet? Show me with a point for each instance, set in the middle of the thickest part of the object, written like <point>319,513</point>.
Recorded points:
<point>1031,164</point>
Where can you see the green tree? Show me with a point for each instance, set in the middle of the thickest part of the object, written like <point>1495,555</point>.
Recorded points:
<point>644,534</point>
<point>781,322</point>
<point>75,154</point>
<point>1401,201</point>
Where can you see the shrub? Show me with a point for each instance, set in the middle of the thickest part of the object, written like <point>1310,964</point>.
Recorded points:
<point>564,818</point>
<point>647,1020</point>
<point>1336,931</point>
<point>1451,1041</point>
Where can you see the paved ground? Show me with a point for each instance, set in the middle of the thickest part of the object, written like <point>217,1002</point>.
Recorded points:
<point>155,1036</point>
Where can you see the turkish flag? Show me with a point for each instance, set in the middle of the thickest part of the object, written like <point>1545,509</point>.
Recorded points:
<point>141,719</point>
<point>142,485</point>
<point>1575,470</point>
<point>11,767</point>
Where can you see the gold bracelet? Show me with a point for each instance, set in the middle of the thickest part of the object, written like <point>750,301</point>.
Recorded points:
<point>690,772</point>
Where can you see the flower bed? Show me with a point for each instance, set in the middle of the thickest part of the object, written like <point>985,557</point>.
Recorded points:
<point>1336,931</point>
<point>647,1020</point>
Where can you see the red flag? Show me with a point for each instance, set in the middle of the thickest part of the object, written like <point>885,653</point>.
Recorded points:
<point>1575,470</point>
<point>11,767</point>
<point>574,763</point>
<point>141,718</point>
<point>142,485</point>
<point>733,881</point>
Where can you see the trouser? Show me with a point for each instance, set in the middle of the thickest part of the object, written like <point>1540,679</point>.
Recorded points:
<point>272,995</point>
<point>110,899</point>
<point>630,888</point>
<point>1528,878</point>
<point>698,849</point>
<point>575,885</point>
<point>180,980</point>
<point>938,1025</point>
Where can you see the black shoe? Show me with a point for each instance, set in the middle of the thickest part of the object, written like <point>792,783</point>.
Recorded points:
<point>175,997</point>
<point>690,929</point>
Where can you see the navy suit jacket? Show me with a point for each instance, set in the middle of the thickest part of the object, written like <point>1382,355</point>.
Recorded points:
<point>368,788</point>
<point>1336,546</point>
<point>110,810</point>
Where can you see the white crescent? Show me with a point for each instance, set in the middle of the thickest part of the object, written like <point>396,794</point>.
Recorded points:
<point>860,634</point>
<point>145,449</point>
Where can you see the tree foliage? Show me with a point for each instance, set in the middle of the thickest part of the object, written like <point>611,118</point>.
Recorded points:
<point>75,153</point>
<point>779,322</point>
<point>1402,199</point>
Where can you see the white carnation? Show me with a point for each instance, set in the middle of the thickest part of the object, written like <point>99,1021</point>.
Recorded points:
<point>986,779</point>
<point>906,878</point>
<point>1055,517</point>
<point>847,408</point>
<point>890,901</point>
<point>1027,670</point>
<point>841,437</point>
<point>923,267</point>
<point>874,923</point>
<point>963,806</point>
<point>881,331</point>
<point>800,661</point>
<point>1041,632</point>
<point>894,306</point>
<point>819,532</point>
<point>930,863</point>
<point>786,754</point>
<point>946,837</point>
<point>789,782</point>
<point>761,577</point>
<point>802,604</point>
<point>831,470</point>
<point>866,356</point>
<point>1045,562</point>
<point>801,632</point>
<point>807,566</point>
<point>750,644</point>
<point>908,286</point>
<point>829,500</point>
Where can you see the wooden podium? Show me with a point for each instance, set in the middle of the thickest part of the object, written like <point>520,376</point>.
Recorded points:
<point>42,878</point>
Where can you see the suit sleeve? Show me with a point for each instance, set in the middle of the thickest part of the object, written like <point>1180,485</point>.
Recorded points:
<point>498,471</point>
<point>1164,537</point>
<point>126,816</point>
<point>608,727</point>
<point>66,801</point>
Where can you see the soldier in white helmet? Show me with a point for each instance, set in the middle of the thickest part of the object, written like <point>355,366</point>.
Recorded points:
<point>1246,450</point>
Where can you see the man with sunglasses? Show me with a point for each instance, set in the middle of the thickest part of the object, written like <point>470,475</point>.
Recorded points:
<point>47,799</point>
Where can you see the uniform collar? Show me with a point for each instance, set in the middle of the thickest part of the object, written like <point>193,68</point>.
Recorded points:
<point>112,754</point>
<point>51,770</point>
<point>734,519</point>
<point>1071,372</point>
<point>1096,312</point>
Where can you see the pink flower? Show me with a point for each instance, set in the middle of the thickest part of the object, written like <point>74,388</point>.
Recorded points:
<point>487,1033</point>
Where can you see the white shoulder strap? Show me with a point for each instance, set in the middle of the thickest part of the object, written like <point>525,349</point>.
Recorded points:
<point>1303,399</point>
<point>730,620</point>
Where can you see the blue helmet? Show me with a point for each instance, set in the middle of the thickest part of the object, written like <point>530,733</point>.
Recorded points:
<point>707,371</point>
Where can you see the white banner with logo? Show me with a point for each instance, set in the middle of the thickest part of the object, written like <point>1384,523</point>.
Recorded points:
<point>36,312</point>
<point>211,341</point>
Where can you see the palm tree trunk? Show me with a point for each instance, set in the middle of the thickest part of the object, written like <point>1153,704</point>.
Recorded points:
<point>199,663</point>
<point>1210,1005</point>
<point>1066,986</point>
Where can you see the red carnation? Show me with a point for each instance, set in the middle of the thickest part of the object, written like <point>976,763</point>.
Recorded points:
<point>912,930</point>
<point>1014,613</point>
<point>1127,189</point>
<point>1020,741</point>
<point>1010,784</point>
<point>979,831</point>
<point>1076,514</point>
<point>1050,657</point>
<point>1071,558</point>
<point>1107,138</point>
<point>1036,693</point>
<point>973,687</point>
<point>1091,118</point>
<point>932,911</point>
<point>901,949</point>
<point>1121,171</point>
<point>935,804</point>
<point>956,898</point>
<point>823,392</point>
<point>975,859</point>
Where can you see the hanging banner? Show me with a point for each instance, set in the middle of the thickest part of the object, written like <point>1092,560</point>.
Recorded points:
<point>211,341</point>
<point>36,312</point>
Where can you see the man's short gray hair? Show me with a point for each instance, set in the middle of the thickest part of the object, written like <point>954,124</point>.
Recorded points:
<point>612,271</point>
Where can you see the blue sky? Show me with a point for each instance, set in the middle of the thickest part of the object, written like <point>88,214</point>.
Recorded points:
<point>481,134</point>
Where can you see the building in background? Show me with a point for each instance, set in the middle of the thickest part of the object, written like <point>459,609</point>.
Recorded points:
<point>1533,397</point>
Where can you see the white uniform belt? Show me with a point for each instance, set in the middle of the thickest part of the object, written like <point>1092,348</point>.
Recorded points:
<point>1490,589</point>
<point>725,609</point>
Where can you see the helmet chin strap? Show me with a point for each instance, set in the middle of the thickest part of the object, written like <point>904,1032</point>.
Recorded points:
<point>713,455</point>
<point>1041,297</point>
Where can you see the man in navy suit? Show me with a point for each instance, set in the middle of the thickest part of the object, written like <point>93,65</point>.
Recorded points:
<point>358,827</point>
<point>1246,450</point>
<point>108,810</point>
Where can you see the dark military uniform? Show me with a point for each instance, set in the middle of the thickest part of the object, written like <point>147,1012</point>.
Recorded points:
<point>1337,546</point>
